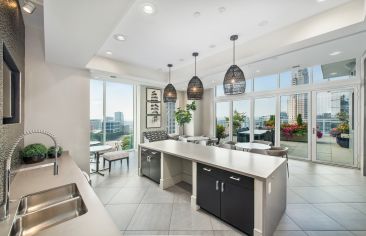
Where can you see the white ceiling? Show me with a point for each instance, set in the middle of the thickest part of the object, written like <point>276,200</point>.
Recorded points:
<point>172,33</point>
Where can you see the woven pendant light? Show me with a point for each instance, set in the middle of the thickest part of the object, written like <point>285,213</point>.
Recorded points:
<point>234,81</point>
<point>195,86</point>
<point>170,94</point>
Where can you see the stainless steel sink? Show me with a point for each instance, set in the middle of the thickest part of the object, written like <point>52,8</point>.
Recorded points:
<point>45,209</point>
<point>39,200</point>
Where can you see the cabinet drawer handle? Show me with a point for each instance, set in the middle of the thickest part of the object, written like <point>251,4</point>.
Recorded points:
<point>234,178</point>
<point>207,169</point>
<point>217,185</point>
<point>222,187</point>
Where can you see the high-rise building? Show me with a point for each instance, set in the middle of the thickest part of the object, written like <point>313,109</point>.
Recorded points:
<point>298,103</point>
<point>118,116</point>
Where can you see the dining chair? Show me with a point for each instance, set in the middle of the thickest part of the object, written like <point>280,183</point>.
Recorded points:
<point>280,152</point>
<point>226,146</point>
<point>258,151</point>
<point>269,143</point>
<point>230,142</point>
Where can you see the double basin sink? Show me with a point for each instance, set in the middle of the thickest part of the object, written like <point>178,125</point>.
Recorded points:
<point>42,210</point>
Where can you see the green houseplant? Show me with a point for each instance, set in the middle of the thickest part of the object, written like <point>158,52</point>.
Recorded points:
<point>184,116</point>
<point>220,132</point>
<point>34,153</point>
<point>51,152</point>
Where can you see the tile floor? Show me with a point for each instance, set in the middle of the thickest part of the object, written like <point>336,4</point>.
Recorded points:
<point>322,201</point>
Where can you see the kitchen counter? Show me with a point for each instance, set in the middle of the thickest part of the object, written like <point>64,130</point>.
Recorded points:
<point>169,162</point>
<point>249,164</point>
<point>95,221</point>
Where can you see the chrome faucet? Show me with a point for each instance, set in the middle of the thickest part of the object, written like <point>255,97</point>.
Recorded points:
<point>4,206</point>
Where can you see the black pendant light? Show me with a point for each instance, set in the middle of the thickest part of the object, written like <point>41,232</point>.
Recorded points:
<point>234,81</point>
<point>170,94</point>
<point>195,86</point>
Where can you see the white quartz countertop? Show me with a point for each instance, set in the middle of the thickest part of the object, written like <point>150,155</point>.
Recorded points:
<point>248,164</point>
<point>95,222</point>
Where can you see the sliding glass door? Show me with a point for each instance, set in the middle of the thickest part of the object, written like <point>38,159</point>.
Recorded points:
<point>294,124</point>
<point>241,121</point>
<point>333,131</point>
<point>265,122</point>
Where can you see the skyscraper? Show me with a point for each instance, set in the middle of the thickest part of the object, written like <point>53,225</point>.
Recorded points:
<point>298,103</point>
<point>118,116</point>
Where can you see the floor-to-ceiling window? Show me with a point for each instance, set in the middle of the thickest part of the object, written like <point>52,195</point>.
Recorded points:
<point>265,119</point>
<point>241,121</point>
<point>223,120</point>
<point>294,122</point>
<point>309,110</point>
<point>112,113</point>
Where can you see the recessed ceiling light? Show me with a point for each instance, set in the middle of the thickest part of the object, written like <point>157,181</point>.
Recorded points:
<point>148,8</point>
<point>108,53</point>
<point>320,0</point>
<point>181,59</point>
<point>263,23</point>
<point>212,46</point>
<point>197,14</point>
<point>119,37</point>
<point>335,53</point>
<point>221,9</point>
<point>28,7</point>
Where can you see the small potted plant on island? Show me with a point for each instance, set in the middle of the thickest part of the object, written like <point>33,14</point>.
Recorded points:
<point>51,151</point>
<point>34,153</point>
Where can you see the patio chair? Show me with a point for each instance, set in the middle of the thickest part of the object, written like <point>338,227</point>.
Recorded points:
<point>280,152</point>
<point>269,143</point>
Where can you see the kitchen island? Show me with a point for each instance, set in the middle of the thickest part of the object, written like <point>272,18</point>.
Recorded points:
<point>244,189</point>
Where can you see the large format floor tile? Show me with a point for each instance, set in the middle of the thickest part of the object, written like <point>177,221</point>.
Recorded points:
<point>345,215</point>
<point>185,218</point>
<point>308,217</point>
<point>322,200</point>
<point>122,214</point>
<point>151,217</point>
<point>128,195</point>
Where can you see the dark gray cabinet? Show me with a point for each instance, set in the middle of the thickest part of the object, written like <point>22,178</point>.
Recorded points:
<point>150,164</point>
<point>226,195</point>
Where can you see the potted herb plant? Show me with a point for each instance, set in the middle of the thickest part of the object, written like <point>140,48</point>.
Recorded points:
<point>51,151</point>
<point>34,153</point>
<point>184,116</point>
<point>220,132</point>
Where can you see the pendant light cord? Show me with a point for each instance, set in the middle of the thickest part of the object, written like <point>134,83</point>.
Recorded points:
<point>195,65</point>
<point>169,75</point>
<point>233,52</point>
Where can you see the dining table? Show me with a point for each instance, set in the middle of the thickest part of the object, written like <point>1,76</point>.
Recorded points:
<point>249,146</point>
<point>97,150</point>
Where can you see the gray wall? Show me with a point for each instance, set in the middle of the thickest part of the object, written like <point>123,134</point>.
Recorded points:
<point>12,35</point>
<point>142,100</point>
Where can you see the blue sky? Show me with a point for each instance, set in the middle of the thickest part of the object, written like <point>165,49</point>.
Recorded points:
<point>119,97</point>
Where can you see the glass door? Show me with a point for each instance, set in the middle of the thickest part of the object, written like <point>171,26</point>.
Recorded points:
<point>294,124</point>
<point>333,132</point>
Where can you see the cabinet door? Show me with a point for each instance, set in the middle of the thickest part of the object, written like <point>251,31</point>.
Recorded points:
<point>208,191</point>
<point>155,167</point>
<point>145,165</point>
<point>237,206</point>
